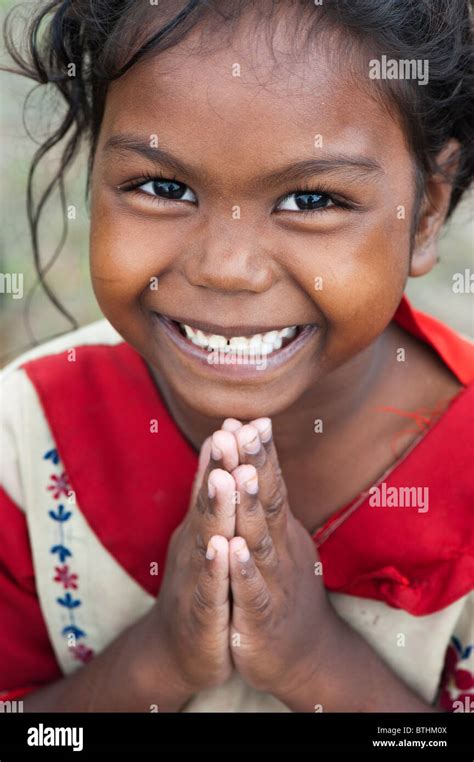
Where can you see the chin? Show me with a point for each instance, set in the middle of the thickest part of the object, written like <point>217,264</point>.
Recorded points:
<point>244,404</point>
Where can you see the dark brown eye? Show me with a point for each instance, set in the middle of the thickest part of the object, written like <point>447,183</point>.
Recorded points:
<point>172,190</point>
<point>305,202</point>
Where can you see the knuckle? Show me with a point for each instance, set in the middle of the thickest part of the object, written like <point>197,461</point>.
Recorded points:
<point>278,472</point>
<point>201,605</point>
<point>276,504</point>
<point>263,550</point>
<point>261,604</point>
<point>251,506</point>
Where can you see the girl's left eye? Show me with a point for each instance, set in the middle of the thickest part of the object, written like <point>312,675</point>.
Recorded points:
<point>305,201</point>
<point>171,190</point>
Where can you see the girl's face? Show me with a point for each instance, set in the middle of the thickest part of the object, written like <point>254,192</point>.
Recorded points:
<point>288,202</point>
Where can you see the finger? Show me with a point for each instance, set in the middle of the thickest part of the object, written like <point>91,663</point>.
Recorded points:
<point>219,514</point>
<point>224,453</point>
<point>218,451</point>
<point>249,590</point>
<point>272,489</point>
<point>250,520</point>
<point>264,428</point>
<point>249,446</point>
<point>212,586</point>
<point>231,424</point>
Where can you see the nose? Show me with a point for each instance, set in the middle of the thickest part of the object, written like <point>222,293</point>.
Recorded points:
<point>230,261</point>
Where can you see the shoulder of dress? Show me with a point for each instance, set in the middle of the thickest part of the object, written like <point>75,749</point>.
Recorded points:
<point>98,333</point>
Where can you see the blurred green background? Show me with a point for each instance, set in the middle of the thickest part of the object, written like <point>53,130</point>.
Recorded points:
<point>69,277</point>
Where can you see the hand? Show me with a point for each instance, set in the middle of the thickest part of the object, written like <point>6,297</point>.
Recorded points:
<point>282,622</point>
<point>192,614</point>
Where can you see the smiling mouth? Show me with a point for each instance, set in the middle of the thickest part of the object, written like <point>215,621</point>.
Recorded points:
<point>241,339</point>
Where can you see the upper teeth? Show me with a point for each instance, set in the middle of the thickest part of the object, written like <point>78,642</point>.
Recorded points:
<point>258,343</point>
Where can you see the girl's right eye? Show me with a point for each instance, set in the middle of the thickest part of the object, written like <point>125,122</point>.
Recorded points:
<point>170,190</point>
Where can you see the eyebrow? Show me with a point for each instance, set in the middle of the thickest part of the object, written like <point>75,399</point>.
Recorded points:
<point>357,167</point>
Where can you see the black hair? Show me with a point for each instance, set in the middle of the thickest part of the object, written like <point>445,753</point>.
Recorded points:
<point>81,46</point>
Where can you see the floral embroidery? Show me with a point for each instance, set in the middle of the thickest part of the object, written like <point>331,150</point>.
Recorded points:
<point>53,456</point>
<point>60,485</point>
<point>64,576</point>
<point>456,682</point>
<point>82,653</point>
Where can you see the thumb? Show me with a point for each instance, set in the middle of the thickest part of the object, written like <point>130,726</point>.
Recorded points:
<point>204,456</point>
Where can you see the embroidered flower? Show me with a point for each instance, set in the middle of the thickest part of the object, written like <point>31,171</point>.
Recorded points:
<point>61,514</point>
<point>52,455</point>
<point>67,579</point>
<point>72,629</point>
<point>82,653</point>
<point>60,485</point>
<point>69,602</point>
<point>62,552</point>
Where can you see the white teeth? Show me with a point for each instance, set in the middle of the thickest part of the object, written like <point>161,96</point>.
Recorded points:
<point>200,339</point>
<point>216,342</point>
<point>258,343</point>
<point>255,341</point>
<point>239,342</point>
<point>270,336</point>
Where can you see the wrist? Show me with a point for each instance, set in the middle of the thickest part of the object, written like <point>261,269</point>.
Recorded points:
<point>155,669</point>
<point>312,682</point>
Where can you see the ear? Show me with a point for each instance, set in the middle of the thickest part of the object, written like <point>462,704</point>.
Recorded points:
<point>434,209</point>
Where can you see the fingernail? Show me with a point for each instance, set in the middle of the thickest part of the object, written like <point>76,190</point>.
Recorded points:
<point>251,486</point>
<point>211,490</point>
<point>243,553</point>
<point>211,551</point>
<point>216,452</point>
<point>251,448</point>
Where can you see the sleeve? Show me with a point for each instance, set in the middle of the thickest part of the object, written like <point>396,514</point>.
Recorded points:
<point>456,692</point>
<point>27,659</point>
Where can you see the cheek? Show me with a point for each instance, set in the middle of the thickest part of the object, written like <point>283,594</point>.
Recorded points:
<point>127,255</point>
<point>356,281</point>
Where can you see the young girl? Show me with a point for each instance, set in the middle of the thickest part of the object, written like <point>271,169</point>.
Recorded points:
<point>258,199</point>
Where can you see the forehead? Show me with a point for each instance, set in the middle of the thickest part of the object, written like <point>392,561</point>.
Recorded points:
<point>254,100</point>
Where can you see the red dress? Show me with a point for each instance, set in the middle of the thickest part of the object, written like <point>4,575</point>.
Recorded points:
<point>99,409</point>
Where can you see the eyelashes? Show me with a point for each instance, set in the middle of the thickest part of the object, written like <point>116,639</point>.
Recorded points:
<point>160,185</point>
<point>303,201</point>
